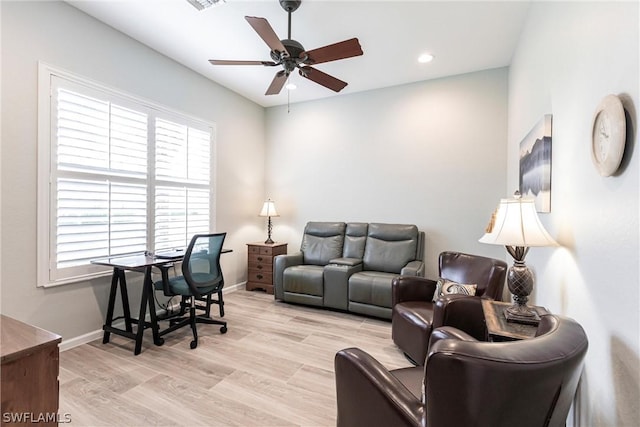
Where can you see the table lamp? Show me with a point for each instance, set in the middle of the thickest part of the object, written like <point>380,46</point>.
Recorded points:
<point>516,225</point>
<point>269,210</point>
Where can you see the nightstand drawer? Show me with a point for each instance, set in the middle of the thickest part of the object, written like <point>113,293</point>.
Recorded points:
<point>260,276</point>
<point>260,259</point>
<point>262,250</point>
<point>261,266</point>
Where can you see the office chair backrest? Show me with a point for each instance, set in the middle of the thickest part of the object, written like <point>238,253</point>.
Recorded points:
<point>201,264</point>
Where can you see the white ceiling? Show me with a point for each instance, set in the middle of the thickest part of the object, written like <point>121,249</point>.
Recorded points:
<point>464,36</point>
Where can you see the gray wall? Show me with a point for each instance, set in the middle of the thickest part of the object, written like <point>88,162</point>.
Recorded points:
<point>570,56</point>
<point>431,153</point>
<point>64,37</point>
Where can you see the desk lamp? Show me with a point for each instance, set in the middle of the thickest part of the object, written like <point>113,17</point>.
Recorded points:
<point>269,210</point>
<point>516,225</point>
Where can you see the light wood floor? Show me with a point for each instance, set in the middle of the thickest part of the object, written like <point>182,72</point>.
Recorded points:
<point>274,367</point>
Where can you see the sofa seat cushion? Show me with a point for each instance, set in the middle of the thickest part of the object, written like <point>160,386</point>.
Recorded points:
<point>304,279</point>
<point>371,287</point>
<point>411,325</point>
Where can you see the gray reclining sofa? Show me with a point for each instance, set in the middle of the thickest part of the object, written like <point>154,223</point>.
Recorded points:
<point>349,266</point>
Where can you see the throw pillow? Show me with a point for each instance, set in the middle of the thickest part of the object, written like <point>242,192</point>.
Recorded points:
<point>447,287</point>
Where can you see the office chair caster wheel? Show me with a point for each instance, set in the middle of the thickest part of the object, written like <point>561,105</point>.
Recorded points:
<point>223,330</point>
<point>193,344</point>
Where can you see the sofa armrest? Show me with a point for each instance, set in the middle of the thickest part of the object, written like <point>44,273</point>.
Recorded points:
<point>462,312</point>
<point>411,288</point>
<point>368,394</point>
<point>336,284</point>
<point>413,268</point>
<point>346,261</point>
<point>280,263</point>
<point>449,332</point>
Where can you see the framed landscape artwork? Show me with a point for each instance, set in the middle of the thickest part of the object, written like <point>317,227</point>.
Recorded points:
<point>535,164</point>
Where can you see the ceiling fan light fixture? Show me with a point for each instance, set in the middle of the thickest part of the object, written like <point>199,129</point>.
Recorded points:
<point>291,86</point>
<point>203,4</point>
<point>425,57</point>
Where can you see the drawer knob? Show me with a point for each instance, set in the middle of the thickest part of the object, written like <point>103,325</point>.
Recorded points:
<point>260,267</point>
<point>259,258</point>
<point>259,276</point>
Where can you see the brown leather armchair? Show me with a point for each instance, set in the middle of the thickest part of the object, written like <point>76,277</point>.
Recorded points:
<point>414,316</point>
<point>529,383</point>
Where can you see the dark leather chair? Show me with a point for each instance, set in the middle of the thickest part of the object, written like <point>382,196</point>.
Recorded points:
<point>529,383</point>
<point>201,278</point>
<point>413,316</point>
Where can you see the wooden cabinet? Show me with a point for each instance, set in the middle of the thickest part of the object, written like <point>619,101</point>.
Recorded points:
<point>260,264</point>
<point>30,361</point>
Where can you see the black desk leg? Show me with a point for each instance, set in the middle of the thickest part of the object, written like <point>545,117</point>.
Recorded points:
<point>143,312</point>
<point>125,300</point>
<point>112,302</point>
<point>148,284</point>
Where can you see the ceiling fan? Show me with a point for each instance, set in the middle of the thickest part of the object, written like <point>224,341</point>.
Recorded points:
<point>290,54</point>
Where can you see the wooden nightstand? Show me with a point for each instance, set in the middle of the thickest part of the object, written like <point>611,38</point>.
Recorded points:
<point>501,330</point>
<point>260,264</point>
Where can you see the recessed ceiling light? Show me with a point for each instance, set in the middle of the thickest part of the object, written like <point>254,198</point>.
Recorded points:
<point>203,4</point>
<point>291,86</point>
<point>425,57</point>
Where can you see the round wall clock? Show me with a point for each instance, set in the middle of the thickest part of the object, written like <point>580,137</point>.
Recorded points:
<point>608,135</point>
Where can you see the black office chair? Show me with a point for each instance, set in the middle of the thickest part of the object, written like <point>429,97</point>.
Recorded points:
<point>201,277</point>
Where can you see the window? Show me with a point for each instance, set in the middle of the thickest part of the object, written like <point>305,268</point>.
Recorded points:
<point>117,175</point>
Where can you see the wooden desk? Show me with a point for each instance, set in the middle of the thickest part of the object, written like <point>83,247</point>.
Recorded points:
<point>143,264</point>
<point>30,361</point>
<point>501,330</point>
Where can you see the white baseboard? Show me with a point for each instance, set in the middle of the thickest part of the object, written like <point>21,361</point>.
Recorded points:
<point>70,343</point>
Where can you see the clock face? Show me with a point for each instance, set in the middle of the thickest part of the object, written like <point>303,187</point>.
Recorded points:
<point>608,135</point>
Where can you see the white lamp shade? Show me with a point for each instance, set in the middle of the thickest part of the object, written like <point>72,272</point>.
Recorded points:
<point>516,223</point>
<point>269,209</point>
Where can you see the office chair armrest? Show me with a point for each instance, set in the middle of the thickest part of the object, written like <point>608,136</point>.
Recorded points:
<point>164,272</point>
<point>368,394</point>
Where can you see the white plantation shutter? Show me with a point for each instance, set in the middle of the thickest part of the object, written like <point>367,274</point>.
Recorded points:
<point>123,177</point>
<point>182,206</point>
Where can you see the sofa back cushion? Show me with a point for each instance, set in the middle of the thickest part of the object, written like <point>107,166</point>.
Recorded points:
<point>322,241</point>
<point>354,241</point>
<point>389,247</point>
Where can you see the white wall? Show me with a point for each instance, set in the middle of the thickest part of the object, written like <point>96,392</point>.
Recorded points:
<point>429,153</point>
<point>64,37</point>
<point>569,57</point>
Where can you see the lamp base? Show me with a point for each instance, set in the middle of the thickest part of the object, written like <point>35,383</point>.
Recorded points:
<point>522,314</point>
<point>269,241</point>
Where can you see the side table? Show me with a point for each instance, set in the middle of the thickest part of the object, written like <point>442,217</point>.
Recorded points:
<point>501,330</point>
<point>260,264</point>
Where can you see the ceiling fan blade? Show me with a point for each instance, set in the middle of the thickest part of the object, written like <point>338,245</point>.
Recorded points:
<point>232,62</point>
<point>333,52</point>
<point>277,83</point>
<point>323,79</point>
<point>265,31</point>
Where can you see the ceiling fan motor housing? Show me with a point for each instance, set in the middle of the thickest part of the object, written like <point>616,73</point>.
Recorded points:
<point>290,5</point>
<point>296,56</point>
